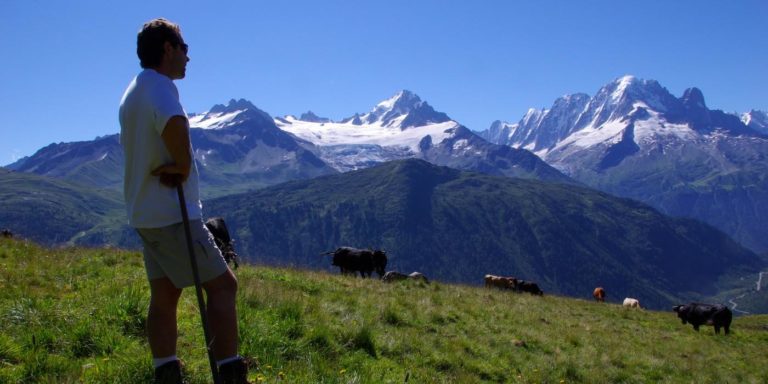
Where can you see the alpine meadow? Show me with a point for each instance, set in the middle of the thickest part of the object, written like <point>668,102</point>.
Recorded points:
<point>76,315</point>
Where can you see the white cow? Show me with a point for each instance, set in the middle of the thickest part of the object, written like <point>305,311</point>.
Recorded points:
<point>631,303</point>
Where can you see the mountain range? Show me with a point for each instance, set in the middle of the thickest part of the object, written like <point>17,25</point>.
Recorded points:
<point>632,139</point>
<point>238,147</point>
<point>635,139</point>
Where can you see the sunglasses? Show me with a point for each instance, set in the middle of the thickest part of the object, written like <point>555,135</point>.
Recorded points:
<point>184,47</point>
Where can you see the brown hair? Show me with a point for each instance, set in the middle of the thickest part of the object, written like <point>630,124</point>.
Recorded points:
<point>152,38</point>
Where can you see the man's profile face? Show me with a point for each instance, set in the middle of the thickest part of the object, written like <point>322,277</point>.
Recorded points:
<point>178,59</point>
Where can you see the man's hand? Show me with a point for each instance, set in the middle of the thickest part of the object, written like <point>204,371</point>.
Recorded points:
<point>171,175</point>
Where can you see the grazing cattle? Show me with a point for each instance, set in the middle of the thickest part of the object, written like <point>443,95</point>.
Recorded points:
<point>631,303</point>
<point>418,276</point>
<point>500,282</point>
<point>599,294</point>
<point>365,261</point>
<point>698,314</point>
<point>393,276</point>
<point>397,276</point>
<point>530,287</point>
<point>221,236</point>
<point>7,233</point>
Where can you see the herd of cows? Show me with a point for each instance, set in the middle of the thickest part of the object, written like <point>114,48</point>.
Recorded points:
<point>366,261</point>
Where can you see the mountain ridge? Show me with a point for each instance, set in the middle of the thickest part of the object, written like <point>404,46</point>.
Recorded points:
<point>635,139</point>
<point>404,126</point>
<point>673,153</point>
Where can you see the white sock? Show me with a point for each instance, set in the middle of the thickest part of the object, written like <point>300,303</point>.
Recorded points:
<point>158,362</point>
<point>227,360</point>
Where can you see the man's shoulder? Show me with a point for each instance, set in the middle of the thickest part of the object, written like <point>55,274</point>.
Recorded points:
<point>157,87</point>
<point>152,77</point>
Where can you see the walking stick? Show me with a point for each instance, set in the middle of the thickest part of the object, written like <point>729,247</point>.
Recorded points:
<point>198,287</point>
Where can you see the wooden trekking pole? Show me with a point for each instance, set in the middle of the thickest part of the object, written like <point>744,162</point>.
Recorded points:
<point>198,287</point>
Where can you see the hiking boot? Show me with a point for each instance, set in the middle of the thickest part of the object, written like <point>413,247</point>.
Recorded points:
<point>235,372</point>
<point>169,373</point>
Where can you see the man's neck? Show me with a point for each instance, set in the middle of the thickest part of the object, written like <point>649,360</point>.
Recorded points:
<point>163,71</point>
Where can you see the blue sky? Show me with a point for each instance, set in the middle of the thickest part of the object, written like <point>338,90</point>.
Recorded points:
<point>65,64</point>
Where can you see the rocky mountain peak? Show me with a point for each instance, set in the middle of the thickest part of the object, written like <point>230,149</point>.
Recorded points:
<point>233,106</point>
<point>402,103</point>
<point>312,117</point>
<point>693,98</point>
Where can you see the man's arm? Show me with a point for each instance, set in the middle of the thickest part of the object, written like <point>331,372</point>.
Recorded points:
<point>176,138</point>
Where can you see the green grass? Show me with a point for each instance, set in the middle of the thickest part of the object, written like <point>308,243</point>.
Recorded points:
<point>76,315</point>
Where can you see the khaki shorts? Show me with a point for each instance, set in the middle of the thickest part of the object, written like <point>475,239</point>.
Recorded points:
<point>166,253</point>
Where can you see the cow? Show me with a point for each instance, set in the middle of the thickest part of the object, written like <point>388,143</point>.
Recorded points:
<point>7,233</point>
<point>224,242</point>
<point>599,294</point>
<point>698,314</point>
<point>418,276</point>
<point>393,276</point>
<point>530,287</point>
<point>500,282</point>
<point>397,276</point>
<point>353,260</point>
<point>631,303</point>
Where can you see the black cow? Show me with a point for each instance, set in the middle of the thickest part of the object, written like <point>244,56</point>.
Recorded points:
<point>698,314</point>
<point>365,261</point>
<point>530,287</point>
<point>221,236</point>
<point>7,233</point>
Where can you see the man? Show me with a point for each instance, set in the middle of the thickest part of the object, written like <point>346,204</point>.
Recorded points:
<point>158,157</point>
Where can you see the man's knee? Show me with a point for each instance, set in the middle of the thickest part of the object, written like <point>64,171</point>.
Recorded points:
<point>224,284</point>
<point>164,293</point>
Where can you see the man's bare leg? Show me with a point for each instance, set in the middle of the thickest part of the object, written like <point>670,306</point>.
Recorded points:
<point>161,319</point>
<point>222,314</point>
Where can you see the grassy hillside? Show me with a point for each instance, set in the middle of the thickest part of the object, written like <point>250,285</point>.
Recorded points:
<point>55,211</point>
<point>77,316</point>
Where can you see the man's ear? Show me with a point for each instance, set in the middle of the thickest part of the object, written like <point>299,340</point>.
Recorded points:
<point>168,47</point>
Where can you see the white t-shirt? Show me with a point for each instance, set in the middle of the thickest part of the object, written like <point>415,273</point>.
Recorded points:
<point>149,102</point>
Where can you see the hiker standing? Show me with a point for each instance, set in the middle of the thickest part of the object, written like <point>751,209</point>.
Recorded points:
<point>158,156</point>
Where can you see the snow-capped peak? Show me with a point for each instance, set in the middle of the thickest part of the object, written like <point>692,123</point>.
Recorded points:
<point>401,121</point>
<point>404,99</point>
<point>757,120</point>
<point>232,106</point>
<point>222,116</point>
<point>630,90</point>
<point>400,104</point>
<point>533,116</point>
<point>622,85</point>
<point>623,96</point>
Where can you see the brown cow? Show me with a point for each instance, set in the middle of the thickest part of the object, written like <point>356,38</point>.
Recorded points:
<point>500,282</point>
<point>599,294</point>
